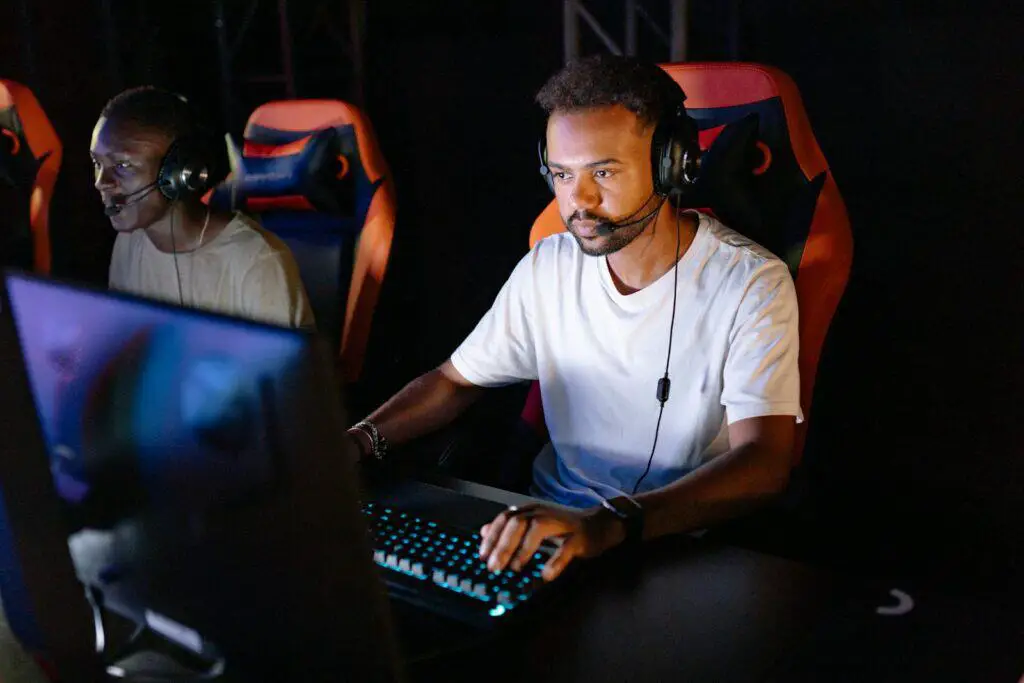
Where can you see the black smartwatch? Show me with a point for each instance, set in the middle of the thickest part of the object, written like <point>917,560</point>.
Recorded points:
<point>632,515</point>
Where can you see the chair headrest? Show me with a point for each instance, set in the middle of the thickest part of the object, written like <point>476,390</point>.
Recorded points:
<point>18,166</point>
<point>728,166</point>
<point>30,155</point>
<point>767,171</point>
<point>304,156</point>
<point>25,126</point>
<point>310,173</point>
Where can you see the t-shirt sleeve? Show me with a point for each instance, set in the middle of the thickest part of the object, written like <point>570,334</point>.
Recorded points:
<point>501,349</point>
<point>761,375</point>
<point>272,292</point>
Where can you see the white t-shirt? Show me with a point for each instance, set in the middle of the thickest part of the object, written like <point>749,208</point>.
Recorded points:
<point>599,355</point>
<point>244,271</point>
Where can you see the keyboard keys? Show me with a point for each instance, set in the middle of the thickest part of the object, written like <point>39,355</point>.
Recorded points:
<point>411,547</point>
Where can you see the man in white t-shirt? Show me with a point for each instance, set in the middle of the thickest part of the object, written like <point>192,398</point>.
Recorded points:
<point>153,160</point>
<point>588,313</point>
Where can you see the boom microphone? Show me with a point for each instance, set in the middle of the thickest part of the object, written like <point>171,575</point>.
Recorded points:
<point>118,203</point>
<point>607,227</point>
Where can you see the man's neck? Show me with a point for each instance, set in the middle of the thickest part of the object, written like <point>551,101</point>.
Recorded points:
<point>653,252</point>
<point>179,230</point>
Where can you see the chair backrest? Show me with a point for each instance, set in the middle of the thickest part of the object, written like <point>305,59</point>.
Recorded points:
<point>314,173</point>
<point>793,206</point>
<point>30,156</point>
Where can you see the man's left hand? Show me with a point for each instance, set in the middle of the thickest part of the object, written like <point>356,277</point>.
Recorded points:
<point>515,534</point>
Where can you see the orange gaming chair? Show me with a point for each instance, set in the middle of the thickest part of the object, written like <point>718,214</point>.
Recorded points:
<point>30,156</point>
<point>800,214</point>
<point>314,173</point>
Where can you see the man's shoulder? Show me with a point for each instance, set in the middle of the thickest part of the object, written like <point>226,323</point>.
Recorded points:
<point>243,230</point>
<point>550,261</point>
<point>735,254</point>
<point>558,250</point>
<point>129,240</point>
<point>734,244</point>
<point>556,243</point>
<point>244,235</point>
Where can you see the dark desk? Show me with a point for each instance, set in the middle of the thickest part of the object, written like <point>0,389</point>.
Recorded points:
<point>690,609</point>
<point>695,610</point>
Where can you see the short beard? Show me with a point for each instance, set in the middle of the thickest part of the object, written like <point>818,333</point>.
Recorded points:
<point>613,241</point>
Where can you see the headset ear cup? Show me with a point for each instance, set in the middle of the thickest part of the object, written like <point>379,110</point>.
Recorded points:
<point>661,159</point>
<point>166,178</point>
<point>675,152</point>
<point>691,152</point>
<point>195,176</point>
<point>542,156</point>
<point>184,171</point>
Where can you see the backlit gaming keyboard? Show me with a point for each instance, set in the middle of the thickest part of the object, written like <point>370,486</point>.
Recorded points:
<point>438,567</point>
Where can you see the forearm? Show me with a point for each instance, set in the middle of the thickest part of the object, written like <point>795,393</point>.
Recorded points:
<point>728,486</point>
<point>426,404</point>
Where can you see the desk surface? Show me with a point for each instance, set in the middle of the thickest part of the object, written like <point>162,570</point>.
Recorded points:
<point>690,610</point>
<point>695,610</point>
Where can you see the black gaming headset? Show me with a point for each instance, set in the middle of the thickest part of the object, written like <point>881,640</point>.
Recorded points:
<point>187,168</point>
<point>675,154</point>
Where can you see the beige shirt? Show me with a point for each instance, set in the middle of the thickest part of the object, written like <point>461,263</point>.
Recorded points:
<point>244,271</point>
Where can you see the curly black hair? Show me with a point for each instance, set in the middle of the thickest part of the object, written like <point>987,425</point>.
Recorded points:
<point>156,109</point>
<point>604,79</point>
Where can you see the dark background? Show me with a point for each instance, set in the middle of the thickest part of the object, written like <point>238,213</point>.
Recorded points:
<point>914,464</point>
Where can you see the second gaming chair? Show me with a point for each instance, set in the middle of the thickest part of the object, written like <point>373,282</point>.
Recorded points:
<point>314,173</point>
<point>30,156</point>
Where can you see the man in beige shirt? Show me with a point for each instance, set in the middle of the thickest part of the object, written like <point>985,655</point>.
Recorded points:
<point>152,162</point>
<point>151,169</point>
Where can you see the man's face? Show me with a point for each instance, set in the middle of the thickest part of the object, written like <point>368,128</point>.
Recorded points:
<point>126,158</point>
<point>600,160</point>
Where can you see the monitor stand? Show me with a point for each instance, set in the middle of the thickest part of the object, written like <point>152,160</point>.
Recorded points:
<point>137,653</point>
<point>151,664</point>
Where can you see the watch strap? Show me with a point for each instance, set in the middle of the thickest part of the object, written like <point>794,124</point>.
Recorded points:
<point>631,513</point>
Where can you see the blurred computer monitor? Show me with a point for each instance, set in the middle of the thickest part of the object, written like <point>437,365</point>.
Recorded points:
<point>44,603</point>
<point>207,487</point>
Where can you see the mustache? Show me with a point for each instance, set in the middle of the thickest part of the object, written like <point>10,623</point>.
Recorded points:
<point>579,216</point>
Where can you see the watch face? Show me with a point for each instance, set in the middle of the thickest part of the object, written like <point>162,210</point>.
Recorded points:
<point>625,507</point>
<point>631,514</point>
